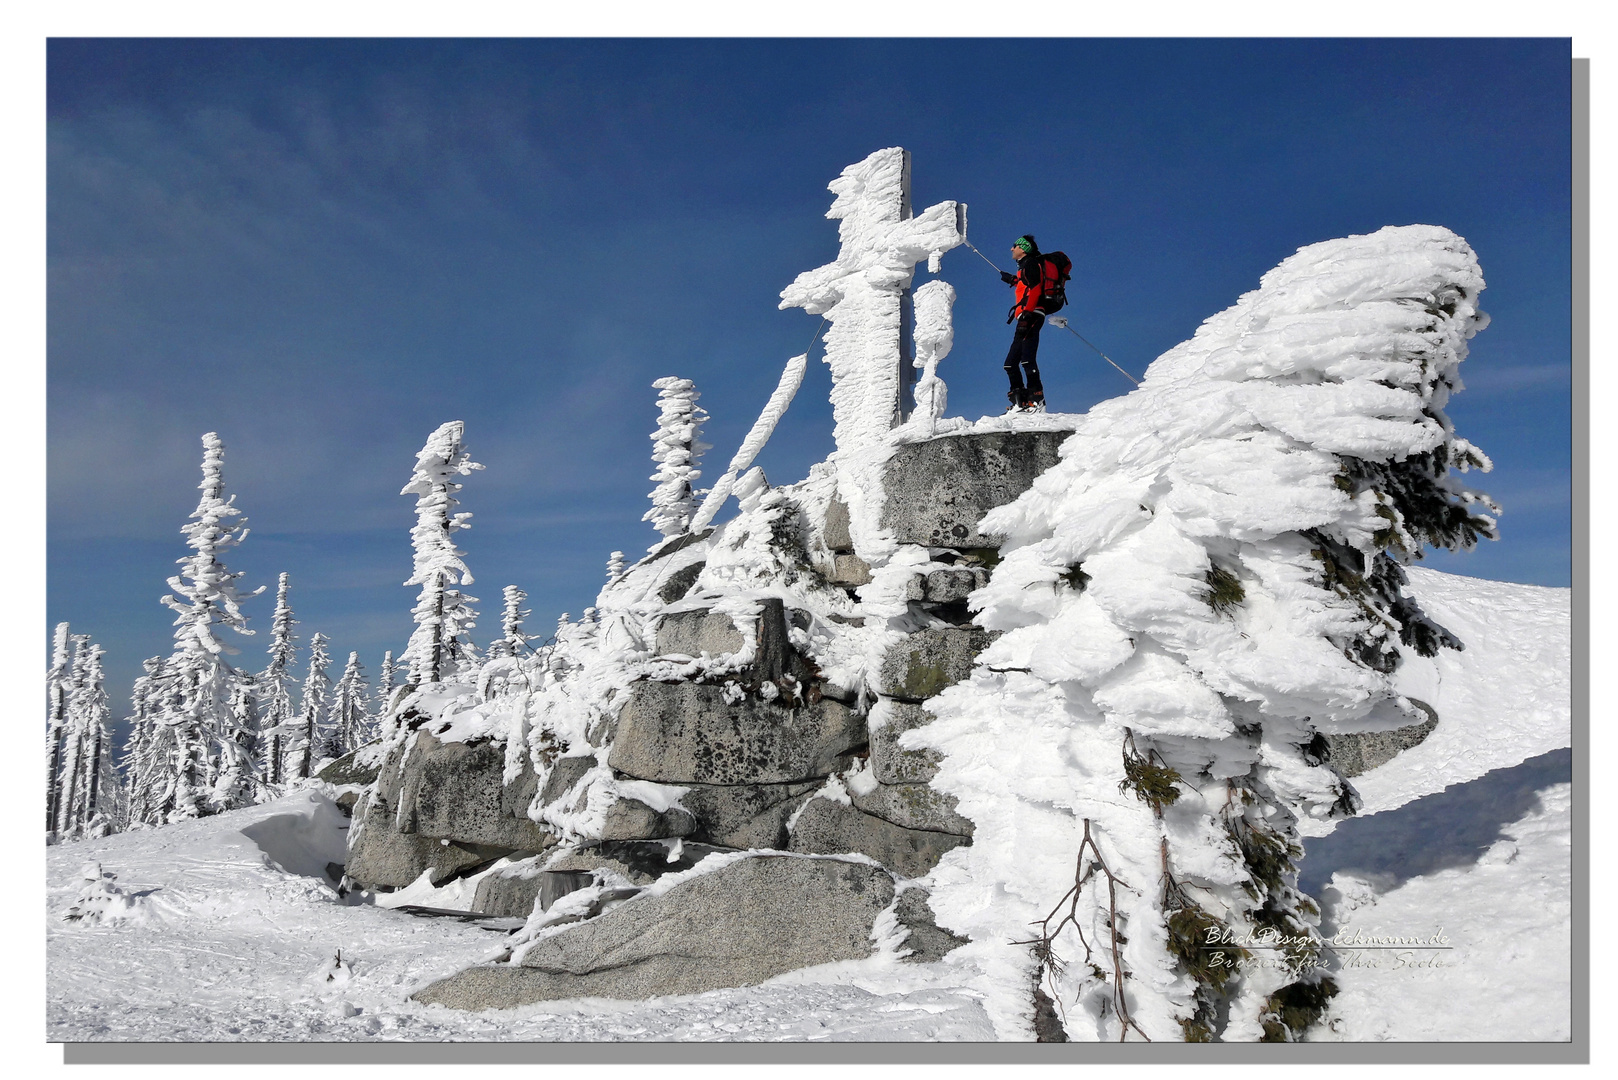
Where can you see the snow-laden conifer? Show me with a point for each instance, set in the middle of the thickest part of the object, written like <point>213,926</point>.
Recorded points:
<point>387,677</point>
<point>276,713</point>
<point>1207,582</point>
<point>615,566</point>
<point>313,710</point>
<point>147,778</point>
<point>89,795</point>
<point>439,648</point>
<point>677,448</point>
<point>350,712</point>
<point>195,713</point>
<point>58,680</point>
<point>238,780</point>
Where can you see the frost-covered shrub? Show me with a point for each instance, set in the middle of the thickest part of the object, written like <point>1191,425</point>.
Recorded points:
<point>1211,577</point>
<point>101,900</point>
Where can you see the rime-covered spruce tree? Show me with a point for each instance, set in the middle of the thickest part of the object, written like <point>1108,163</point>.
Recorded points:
<point>1208,582</point>
<point>677,448</point>
<point>512,640</point>
<point>276,714</point>
<point>238,782</point>
<point>313,711</point>
<point>146,774</point>
<point>440,649</point>
<point>58,684</point>
<point>193,715</point>
<point>387,677</point>
<point>350,712</point>
<point>89,796</point>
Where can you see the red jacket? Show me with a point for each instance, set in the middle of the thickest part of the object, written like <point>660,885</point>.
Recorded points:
<point>1035,274</point>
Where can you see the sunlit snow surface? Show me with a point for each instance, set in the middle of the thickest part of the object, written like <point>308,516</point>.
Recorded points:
<point>230,938</point>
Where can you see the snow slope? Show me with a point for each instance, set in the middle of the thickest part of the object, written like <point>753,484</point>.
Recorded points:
<point>234,931</point>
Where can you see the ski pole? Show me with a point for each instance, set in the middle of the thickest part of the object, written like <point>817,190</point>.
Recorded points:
<point>982,256</point>
<point>1061,320</point>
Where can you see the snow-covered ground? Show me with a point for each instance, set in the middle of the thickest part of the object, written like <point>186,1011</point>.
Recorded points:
<point>228,931</point>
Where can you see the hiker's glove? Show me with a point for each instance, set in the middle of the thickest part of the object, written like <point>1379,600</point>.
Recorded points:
<point>1009,279</point>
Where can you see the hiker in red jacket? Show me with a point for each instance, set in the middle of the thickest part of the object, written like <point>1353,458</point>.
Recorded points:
<point>1035,275</point>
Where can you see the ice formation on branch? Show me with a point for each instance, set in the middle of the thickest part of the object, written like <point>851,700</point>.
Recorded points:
<point>935,334</point>
<point>439,647</point>
<point>1209,579</point>
<point>763,428</point>
<point>862,292</point>
<point>677,448</point>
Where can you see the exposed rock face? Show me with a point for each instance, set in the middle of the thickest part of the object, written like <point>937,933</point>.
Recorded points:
<point>688,733</point>
<point>752,920</point>
<point>892,763</point>
<point>829,826</point>
<point>745,815</point>
<point>693,633</point>
<point>927,942</point>
<point>378,854</point>
<point>348,770</point>
<point>1352,755</point>
<point>938,491</point>
<point>511,892</point>
<point>948,585</point>
<point>455,790</point>
<point>443,807</point>
<point>641,862</point>
<point>679,582</point>
<point>924,664</point>
<point>835,535</point>
<point>631,819</point>
<point>914,806</point>
<point>381,855</point>
<point>850,570</point>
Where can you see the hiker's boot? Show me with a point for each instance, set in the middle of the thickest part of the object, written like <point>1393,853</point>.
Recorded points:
<point>1035,404</point>
<point>1016,400</point>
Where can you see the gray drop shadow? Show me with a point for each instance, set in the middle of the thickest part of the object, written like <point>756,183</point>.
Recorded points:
<point>1452,828</point>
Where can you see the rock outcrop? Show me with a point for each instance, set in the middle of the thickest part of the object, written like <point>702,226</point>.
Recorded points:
<point>753,919</point>
<point>728,736</point>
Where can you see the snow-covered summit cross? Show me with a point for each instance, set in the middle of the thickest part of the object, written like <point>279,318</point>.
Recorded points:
<point>865,294</point>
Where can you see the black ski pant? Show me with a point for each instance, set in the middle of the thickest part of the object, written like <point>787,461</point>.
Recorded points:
<point>1024,349</point>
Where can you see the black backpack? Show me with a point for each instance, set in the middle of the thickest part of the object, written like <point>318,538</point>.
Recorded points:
<point>1054,298</point>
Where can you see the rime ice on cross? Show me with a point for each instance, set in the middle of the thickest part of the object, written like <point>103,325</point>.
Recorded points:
<point>865,293</point>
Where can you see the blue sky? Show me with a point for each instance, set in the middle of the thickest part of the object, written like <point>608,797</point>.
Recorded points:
<point>324,249</point>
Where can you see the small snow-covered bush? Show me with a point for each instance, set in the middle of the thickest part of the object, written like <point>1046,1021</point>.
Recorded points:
<point>100,900</point>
